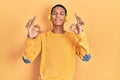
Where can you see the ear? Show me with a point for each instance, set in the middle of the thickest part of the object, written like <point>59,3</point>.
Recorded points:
<point>66,18</point>
<point>49,17</point>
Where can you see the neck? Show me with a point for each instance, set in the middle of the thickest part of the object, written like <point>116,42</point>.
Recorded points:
<point>58,29</point>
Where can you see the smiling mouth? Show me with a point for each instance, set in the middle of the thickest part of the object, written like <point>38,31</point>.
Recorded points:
<point>57,20</point>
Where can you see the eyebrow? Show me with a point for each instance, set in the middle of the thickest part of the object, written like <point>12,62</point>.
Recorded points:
<point>60,11</point>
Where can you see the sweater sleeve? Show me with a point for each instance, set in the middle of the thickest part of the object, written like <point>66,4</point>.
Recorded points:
<point>82,47</point>
<point>32,49</point>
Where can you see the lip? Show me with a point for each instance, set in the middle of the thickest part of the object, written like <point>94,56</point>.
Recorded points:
<point>57,19</point>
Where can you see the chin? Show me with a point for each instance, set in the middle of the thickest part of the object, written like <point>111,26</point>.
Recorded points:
<point>59,24</point>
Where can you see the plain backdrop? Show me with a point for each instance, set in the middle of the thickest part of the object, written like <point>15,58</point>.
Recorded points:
<point>102,24</point>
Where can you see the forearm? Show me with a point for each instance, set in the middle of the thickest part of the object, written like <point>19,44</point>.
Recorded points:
<point>31,50</point>
<point>83,47</point>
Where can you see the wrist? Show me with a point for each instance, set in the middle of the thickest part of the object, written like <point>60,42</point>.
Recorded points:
<point>30,37</point>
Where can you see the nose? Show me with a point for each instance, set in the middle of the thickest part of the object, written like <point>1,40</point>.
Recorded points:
<point>58,15</point>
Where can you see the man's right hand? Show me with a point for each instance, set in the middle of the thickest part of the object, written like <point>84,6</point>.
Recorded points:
<point>33,30</point>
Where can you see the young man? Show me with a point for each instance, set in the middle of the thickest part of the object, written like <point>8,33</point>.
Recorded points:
<point>58,47</point>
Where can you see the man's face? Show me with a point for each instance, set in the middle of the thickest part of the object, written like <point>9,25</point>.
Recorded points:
<point>58,16</point>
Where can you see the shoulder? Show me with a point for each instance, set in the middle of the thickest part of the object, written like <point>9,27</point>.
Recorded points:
<point>44,34</point>
<point>70,33</point>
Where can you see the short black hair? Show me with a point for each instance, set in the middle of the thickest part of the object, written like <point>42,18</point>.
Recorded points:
<point>59,5</point>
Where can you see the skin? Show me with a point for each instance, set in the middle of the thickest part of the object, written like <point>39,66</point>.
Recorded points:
<point>58,20</point>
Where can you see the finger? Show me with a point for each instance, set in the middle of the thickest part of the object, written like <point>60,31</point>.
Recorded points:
<point>37,28</point>
<point>33,20</point>
<point>71,27</point>
<point>80,21</point>
<point>74,29</point>
<point>28,23</point>
<point>77,18</point>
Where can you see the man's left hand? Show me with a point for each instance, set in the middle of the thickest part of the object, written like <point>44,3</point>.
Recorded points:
<point>78,27</point>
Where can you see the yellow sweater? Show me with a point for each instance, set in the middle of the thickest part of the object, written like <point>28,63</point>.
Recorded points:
<point>58,53</point>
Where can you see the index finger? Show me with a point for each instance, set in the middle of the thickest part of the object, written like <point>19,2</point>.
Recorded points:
<point>77,18</point>
<point>33,20</point>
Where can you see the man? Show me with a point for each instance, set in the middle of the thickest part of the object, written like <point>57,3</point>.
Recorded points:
<point>58,47</point>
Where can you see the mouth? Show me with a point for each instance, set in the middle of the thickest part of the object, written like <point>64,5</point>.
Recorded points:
<point>57,19</point>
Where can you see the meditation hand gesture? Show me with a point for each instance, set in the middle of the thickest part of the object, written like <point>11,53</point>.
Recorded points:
<point>78,27</point>
<point>33,30</point>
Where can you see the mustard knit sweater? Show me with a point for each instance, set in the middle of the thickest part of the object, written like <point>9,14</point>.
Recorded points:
<point>58,53</point>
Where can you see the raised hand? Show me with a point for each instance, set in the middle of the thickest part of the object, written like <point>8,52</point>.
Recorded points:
<point>33,30</point>
<point>78,27</point>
